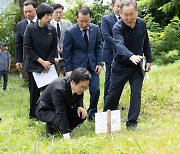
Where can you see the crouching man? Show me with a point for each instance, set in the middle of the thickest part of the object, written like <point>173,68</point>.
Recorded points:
<point>61,104</point>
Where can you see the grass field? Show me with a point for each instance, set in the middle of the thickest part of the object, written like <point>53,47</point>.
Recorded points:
<point>158,130</point>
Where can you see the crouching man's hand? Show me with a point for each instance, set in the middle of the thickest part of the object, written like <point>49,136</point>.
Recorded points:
<point>82,112</point>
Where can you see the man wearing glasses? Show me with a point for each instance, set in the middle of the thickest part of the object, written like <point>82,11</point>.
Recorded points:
<point>61,25</point>
<point>61,103</point>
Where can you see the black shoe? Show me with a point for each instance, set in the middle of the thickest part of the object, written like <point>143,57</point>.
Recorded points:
<point>92,119</point>
<point>50,130</point>
<point>32,117</point>
<point>134,127</point>
<point>91,114</point>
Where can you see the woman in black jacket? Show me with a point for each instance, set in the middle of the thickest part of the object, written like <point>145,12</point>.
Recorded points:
<point>40,44</point>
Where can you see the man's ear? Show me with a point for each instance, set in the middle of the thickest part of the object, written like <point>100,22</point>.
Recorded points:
<point>73,83</point>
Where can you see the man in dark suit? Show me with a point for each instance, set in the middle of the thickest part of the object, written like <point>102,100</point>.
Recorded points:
<point>61,26</point>
<point>82,48</point>
<point>61,104</point>
<point>29,9</point>
<point>131,43</point>
<point>40,46</point>
<point>107,24</point>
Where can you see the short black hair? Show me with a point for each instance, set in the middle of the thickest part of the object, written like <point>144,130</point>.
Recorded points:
<point>43,9</point>
<point>56,6</point>
<point>80,74</point>
<point>30,2</point>
<point>84,10</point>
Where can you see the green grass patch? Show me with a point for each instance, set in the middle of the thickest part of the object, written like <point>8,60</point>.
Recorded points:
<point>158,129</point>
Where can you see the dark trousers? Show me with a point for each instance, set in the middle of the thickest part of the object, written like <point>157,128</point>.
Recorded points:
<point>60,68</point>
<point>107,79</point>
<point>34,94</point>
<point>4,73</point>
<point>119,76</point>
<point>94,93</point>
<point>66,122</point>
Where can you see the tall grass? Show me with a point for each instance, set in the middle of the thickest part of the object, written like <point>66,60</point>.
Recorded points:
<point>158,129</point>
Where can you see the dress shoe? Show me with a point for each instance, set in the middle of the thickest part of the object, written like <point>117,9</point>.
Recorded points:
<point>134,127</point>
<point>92,119</point>
<point>50,130</point>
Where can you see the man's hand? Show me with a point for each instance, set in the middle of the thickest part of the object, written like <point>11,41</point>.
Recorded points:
<point>68,73</point>
<point>19,66</point>
<point>135,59</point>
<point>81,112</point>
<point>60,51</point>
<point>56,61</point>
<point>98,69</point>
<point>148,67</point>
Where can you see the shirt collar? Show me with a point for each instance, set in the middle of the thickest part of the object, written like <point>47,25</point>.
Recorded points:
<point>116,16</point>
<point>82,29</point>
<point>55,22</point>
<point>73,92</point>
<point>3,52</point>
<point>34,20</point>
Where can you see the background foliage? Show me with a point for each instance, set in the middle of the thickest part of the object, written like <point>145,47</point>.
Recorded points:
<point>162,18</point>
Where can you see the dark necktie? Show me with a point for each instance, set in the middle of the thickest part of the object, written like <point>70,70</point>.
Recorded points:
<point>31,21</point>
<point>58,31</point>
<point>85,37</point>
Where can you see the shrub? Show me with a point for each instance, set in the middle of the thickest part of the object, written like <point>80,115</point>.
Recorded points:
<point>166,44</point>
<point>170,37</point>
<point>8,28</point>
<point>171,56</point>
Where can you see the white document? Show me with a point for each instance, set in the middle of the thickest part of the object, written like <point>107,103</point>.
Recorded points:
<point>45,78</point>
<point>101,121</point>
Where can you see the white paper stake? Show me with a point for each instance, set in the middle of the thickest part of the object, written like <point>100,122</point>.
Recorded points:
<point>109,121</point>
<point>101,122</point>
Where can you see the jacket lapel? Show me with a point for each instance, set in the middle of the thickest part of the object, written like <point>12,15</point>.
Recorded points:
<point>113,18</point>
<point>91,35</point>
<point>69,95</point>
<point>38,34</point>
<point>80,36</point>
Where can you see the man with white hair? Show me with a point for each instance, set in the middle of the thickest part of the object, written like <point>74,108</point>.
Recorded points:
<point>131,43</point>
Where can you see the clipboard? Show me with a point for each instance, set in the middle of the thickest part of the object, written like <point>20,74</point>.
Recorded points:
<point>44,78</point>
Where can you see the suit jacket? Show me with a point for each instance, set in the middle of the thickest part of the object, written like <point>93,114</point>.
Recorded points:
<point>55,99</point>
<point>107,24</point>
<point>39,42</point>
<point>64,24</point>
<point>20,29</point>
<point>75,52</point>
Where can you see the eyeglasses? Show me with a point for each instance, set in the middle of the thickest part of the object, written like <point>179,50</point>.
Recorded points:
<point>83,88</point>
<point>58,12</point>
